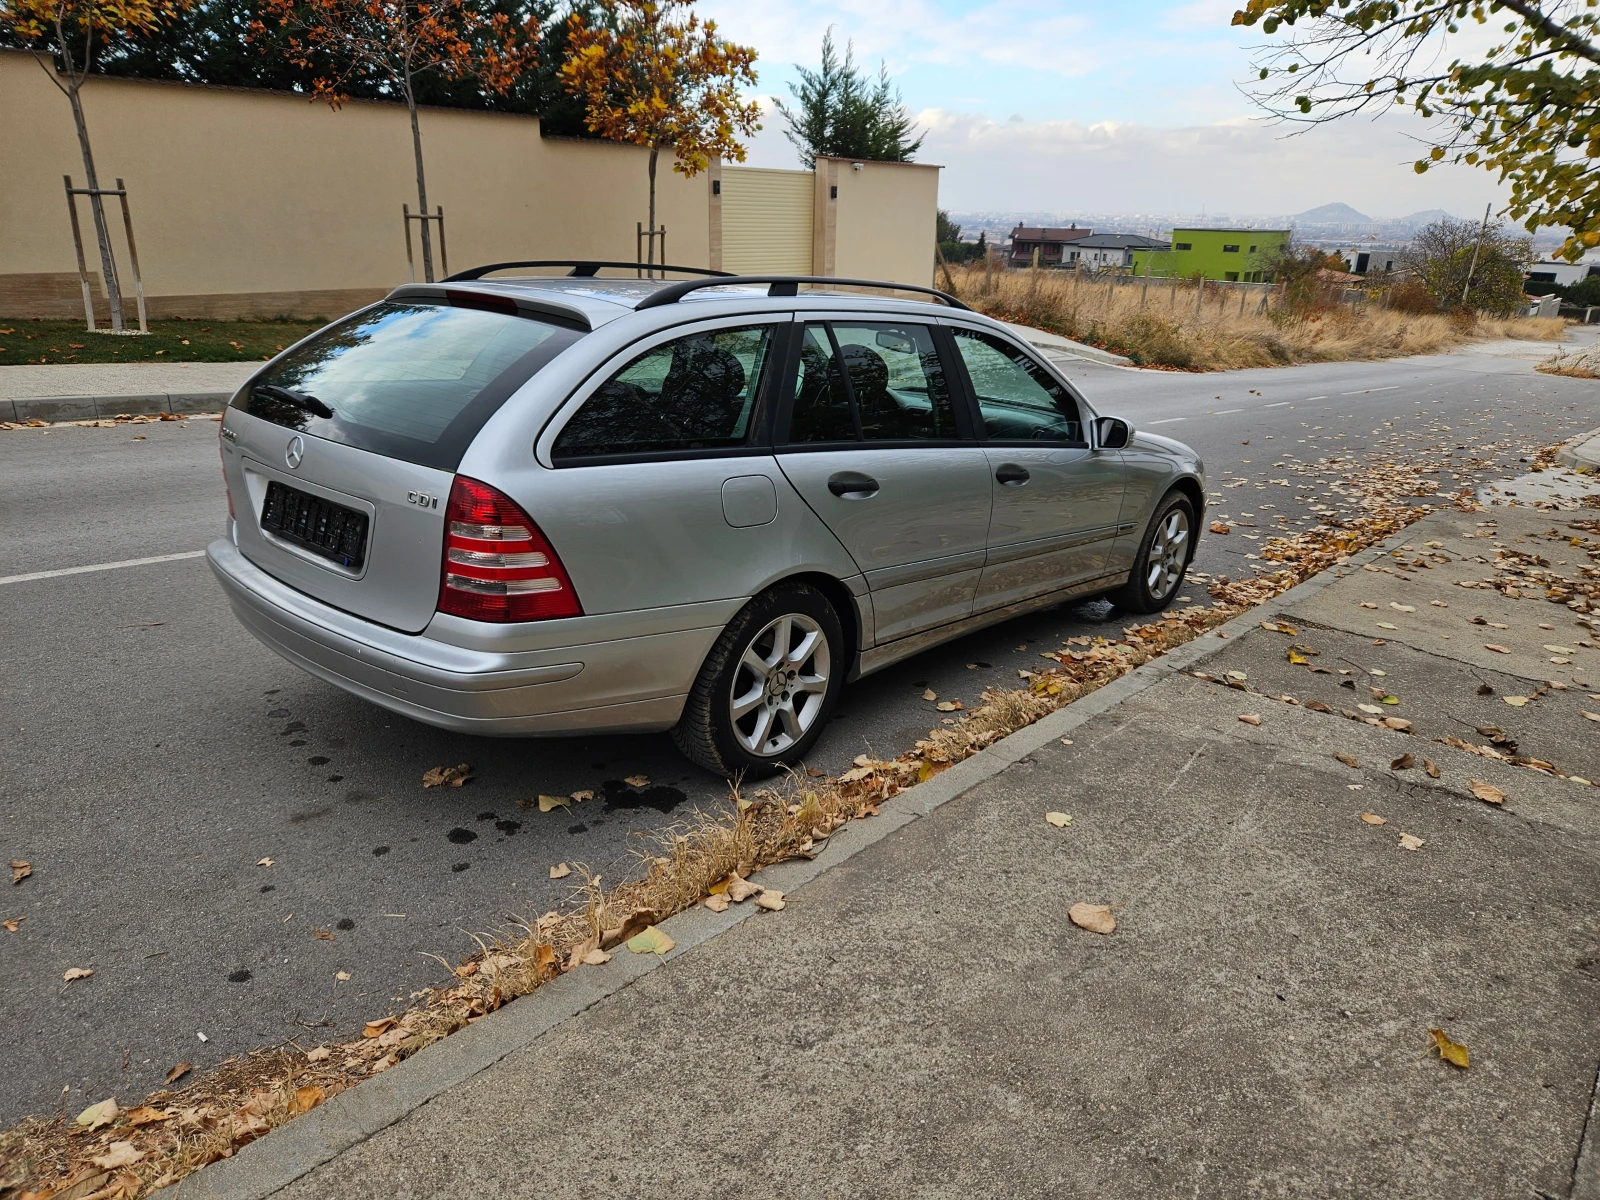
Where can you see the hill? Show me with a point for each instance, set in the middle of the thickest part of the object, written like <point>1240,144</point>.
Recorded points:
<point>1332,214</point>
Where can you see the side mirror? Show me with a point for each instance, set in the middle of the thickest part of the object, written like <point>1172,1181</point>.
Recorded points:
<point>1113,433</point>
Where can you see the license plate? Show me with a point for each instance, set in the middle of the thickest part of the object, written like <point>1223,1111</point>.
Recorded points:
<point>319,525</point>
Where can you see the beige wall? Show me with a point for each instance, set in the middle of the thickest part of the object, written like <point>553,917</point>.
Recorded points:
<point>882,224</point>
<point>257,203</point>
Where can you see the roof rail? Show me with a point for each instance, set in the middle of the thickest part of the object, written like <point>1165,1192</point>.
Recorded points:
<point>785,285</point>
<point>581,268</point>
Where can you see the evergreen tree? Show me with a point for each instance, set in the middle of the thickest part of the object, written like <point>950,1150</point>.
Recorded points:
<point>840,113</point>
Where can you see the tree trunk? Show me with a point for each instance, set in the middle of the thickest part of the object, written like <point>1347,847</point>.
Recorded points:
<point>651,253</point>
<point>422,191</point>
<point>102,233</point>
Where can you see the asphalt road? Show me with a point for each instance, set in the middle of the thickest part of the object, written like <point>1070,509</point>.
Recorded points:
<point>154,753</point>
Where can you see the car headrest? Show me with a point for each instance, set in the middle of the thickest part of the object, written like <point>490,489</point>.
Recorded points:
<point>869,374</point>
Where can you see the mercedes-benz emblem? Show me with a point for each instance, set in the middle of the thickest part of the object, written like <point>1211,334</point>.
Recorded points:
<point>295,452</point>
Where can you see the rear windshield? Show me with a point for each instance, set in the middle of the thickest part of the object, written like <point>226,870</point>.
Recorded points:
<point>410,379</point>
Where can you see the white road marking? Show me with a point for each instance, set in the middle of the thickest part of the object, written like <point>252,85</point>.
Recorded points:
<point>1167,421</point>
<point>1364,391</point>
<point>1309,399</point>
<point>1279,404</point>
<point>1222,412</point>
<point>111,566</point>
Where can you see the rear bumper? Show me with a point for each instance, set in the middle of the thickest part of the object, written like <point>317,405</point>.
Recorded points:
<point>635,684</point>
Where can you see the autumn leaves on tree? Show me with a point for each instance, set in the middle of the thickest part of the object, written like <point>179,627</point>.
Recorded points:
<point>652,74</point>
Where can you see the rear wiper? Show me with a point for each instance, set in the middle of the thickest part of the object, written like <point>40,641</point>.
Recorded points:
<point>300,400</point>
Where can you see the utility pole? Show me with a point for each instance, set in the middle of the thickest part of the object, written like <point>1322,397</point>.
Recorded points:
<point>1476,246</point>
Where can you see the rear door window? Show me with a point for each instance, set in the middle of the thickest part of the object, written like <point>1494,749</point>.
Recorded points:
<point>410,379</point>
<point>697,392</point>
<point>873,382</point>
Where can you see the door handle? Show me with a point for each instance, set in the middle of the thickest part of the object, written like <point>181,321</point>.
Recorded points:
<point>852,485</point>
<point>1011,475</point>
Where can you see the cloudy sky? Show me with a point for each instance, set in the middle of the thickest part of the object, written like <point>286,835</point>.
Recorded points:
<point>1118,105</point>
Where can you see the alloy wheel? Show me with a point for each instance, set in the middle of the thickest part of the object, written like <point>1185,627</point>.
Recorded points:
<point>1169,551</point>
<point>780,685</point>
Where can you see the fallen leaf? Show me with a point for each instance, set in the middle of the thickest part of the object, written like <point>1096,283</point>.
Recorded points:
<point>1349,760</point>
<point>740,890</point>
<point>1374,819</point>
<point>1496,649</point>
<point>1487,792</point>
<point>1485,690</point>
<point>770,900</point>
<point>948,705</point>
<point>1390,700</point>
<point>454,776</point>
<point>638,921</point>
<point>1059,819</point>
<point>323,935</point>
<point>72,973</point>
<point>320,1054</point>
<point>1376,671</point>
<point>265,862</point>
<point>100,1114</point>
<point>717,903</point>
<point>1431,767</point>
<point>1219,527</point>
<point>560,871</point>
<point>1096,918</point>
<point>145,1115</point>
<point>551,803</point>
<point>376,1028</point>
<point>1367,604</point>
<point>651,941</point>
<point>1398,724</point>
<point>12,924</point>
<point>1374,709</point>
<point>1317,706</point>
<point>1451,1052</point>
<point>580,797</point>
<point>1404,763</point>
<point>119,1154</point>
<point>930,694</point>
<point>1386,625</point>
<point>1402,607</point>
<point>596,958</point>
<point>1250,718</point>
<point>20,870</point>
<point>306,1098</point>
<point>1560,650</point>
<point>178,1072</point>
<point>1591,716</point>
<point>1515,701</point>
<point>637,781</point>
<point>1297,658</point>
<point>1408,842</point>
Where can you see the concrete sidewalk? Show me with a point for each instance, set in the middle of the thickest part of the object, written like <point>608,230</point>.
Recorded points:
<point>85,391</point>
<point>923,1019</point>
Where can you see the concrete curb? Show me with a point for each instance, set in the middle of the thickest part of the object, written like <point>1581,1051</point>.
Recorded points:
<point>1062,345</point>
<point>1582,453</point>
<point>93,408</point>
<point>295,1149</point>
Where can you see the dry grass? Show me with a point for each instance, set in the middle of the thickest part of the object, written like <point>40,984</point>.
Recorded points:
<point>180,1131</point>
<point>1161,326</point>
<point>1583,365</point>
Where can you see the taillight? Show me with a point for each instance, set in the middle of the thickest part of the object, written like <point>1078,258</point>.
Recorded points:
<point>497,565</point>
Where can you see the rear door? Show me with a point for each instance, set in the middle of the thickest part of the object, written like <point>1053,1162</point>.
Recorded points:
<point>1057,502</point>
<point>873,440</point>
<point>339,456</point>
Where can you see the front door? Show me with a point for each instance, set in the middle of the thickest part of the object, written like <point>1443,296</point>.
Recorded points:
<point>1056,501</point>
<point>872,441</point>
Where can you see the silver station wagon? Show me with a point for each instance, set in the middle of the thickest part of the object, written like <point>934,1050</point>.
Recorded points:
<point>547,505</point>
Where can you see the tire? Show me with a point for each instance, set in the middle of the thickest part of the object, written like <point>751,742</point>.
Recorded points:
<point>1164,556</point>
<point>738,721</point>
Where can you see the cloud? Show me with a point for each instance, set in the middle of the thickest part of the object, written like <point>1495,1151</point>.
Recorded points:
<point>1240,165</point>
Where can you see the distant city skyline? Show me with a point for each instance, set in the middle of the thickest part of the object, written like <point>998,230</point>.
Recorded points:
<point>1133,107</point>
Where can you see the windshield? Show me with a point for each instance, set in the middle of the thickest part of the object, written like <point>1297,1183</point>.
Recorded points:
<point>411,379</point>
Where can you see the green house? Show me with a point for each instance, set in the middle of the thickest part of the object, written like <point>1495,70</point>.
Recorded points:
<point>1226,255</point>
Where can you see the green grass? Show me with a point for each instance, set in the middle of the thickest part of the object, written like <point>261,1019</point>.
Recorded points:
<point>25,341</point>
